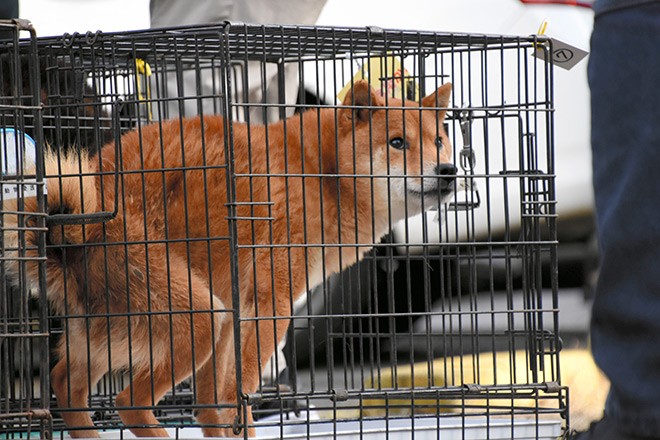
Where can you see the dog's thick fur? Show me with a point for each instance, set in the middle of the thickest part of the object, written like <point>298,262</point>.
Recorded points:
<point>326,177</point>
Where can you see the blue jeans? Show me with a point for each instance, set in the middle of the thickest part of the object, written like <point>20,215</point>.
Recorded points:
<point>624,77</point>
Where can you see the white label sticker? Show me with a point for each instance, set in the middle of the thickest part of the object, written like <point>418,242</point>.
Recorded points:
<point>18,153</point>
<point>14,191</point>
<point>563,54</point>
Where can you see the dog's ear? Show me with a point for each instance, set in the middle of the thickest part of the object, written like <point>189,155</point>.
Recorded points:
<point>439,98</point>
<point>361,95</point>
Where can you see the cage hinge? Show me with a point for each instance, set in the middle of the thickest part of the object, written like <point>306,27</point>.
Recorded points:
<point>375,30</point>
<point>339,395</point>
<point>237,427</point>
<point>552,387</point>
<point>22,24</point>
<point>473,388</point>
<point>40,414</point>
<point>254,398</point>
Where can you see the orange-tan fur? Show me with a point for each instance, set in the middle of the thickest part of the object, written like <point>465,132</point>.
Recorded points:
<point>336,202</point>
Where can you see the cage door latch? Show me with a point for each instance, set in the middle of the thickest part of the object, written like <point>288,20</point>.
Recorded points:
<point>468,161</point>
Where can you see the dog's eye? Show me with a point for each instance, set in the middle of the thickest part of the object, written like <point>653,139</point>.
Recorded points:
<point>399,143</point>
<point>438,142</point>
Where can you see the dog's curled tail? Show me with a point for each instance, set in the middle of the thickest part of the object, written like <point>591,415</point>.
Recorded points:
<point>71,190</point>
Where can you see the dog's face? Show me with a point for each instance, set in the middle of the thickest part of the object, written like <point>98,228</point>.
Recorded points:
<point>402,143</point>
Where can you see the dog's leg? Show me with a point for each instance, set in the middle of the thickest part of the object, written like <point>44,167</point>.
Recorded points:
<point>216,384</point>
<point>191,335</point>
<point>73,394</point>
<point>148,389</point>
<point>252,352</point>
<point>258,349</point>
<point>229,390</point>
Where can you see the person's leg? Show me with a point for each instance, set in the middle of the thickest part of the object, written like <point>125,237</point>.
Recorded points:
<point>8,9</point>
<point>165,13</point>
<point>624,77</point>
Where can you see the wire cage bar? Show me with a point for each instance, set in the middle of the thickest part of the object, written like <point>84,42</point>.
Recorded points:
<point>24,382</point>
<point>265,230</point>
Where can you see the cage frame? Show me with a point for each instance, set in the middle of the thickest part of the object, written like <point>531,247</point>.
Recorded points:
<point>231,37</point>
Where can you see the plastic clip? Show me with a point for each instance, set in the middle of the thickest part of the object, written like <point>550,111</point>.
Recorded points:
<point>143,70</point>
<point>541,32</point>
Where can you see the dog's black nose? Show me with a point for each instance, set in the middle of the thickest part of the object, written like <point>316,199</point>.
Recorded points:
<point>446,172</point>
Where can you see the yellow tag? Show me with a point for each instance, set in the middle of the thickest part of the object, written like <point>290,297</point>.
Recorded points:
<point>142,67</point>
<point>386,76</point>
<point>144,70</point>
<point>543,27</point>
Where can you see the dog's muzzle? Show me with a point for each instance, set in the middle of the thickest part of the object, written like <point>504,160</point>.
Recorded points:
<point>446,173</point>
<point>441,184</point>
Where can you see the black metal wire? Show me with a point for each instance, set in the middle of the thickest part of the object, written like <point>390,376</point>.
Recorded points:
<point>23,334</point>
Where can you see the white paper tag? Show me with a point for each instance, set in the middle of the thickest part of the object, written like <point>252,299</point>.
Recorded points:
<point>18,153</point>
<point>563,54</point>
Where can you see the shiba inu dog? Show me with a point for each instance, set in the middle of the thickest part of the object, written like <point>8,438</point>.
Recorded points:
<point>153,291</point>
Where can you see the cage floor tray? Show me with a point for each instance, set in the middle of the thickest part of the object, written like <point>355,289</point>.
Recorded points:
<point>469,428</point>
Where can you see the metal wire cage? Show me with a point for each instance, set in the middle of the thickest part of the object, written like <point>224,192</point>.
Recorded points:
<point>338,299</point>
